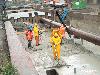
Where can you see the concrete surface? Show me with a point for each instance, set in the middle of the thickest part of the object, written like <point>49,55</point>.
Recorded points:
<point>19,57</point>
<point>88,26</point>
<point>44,58</point>
<point>84,64</point>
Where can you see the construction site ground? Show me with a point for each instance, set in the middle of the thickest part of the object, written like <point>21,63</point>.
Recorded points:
<point>82,60</point>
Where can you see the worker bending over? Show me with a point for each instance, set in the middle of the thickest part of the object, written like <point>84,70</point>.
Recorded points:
<point>36,33</point>
<point>55,41</point>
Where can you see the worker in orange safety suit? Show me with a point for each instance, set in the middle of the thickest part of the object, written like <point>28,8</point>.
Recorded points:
<point>55,41</point>
<point>62,32</point>
<point>36,33</point>
<point>29,37</point>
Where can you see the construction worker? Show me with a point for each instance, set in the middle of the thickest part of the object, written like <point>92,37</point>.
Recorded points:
<point>29,37</point>
<point>36,33</point>
<point>62,32</point>
<point>55,30</point>
<point>55,41</point>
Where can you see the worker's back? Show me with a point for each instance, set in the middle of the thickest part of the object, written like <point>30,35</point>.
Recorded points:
<point>29,35</point>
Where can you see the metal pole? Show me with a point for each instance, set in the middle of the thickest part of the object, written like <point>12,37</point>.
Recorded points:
<point>79,33</point>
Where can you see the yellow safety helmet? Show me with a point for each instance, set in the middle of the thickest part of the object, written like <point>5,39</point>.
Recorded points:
<point>56,35</point>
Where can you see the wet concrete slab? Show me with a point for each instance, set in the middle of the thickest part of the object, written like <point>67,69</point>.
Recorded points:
<point>72,54</point>
<point>92,47</point>
<point>84,64</point>
<point>41,60</point>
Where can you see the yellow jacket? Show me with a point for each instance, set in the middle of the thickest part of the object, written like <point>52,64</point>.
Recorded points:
<point>53,32</point>
<point>36,31</point>
<point>55,41</point>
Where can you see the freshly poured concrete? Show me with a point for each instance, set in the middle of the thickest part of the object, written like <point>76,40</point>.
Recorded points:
<point>85,64</point>
<point>76,55</point>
